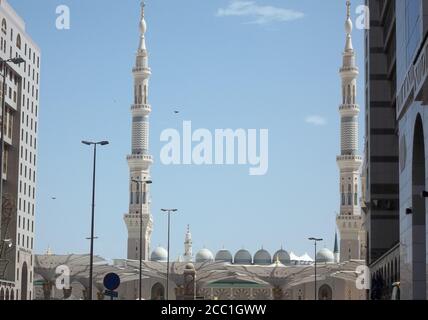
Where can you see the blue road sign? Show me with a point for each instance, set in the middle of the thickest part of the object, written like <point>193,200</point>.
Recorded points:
<point>111,281</point>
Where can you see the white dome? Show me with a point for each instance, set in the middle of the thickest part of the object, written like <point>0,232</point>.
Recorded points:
<point>159,254</point>
<point>224,256</point>
<point>204,255</point>
<point>282,256</point>
<point>243,257</point>
<point>262,257</point>
<point>325,256</point>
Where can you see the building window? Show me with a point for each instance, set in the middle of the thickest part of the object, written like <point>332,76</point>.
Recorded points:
<point>18,41</point>
<point>349,195</point>
<point>4,26</point>
<point>356,195</point>
<point>343,195</point>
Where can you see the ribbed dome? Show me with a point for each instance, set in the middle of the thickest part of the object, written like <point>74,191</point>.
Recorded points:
<point>224,255</point>
<point>204,255</point>
<point>262,257</point>
<point>283,257</point>
<point>159,254</point>
<point>243,257</point>
<point>325,256</point>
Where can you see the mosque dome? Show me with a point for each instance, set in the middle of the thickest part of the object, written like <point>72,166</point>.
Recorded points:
<point>243,257</point>
<point>224,256</point>
<point>204,255</point>
<point>325,256</point>
<point>262,257</point>
<point>159,255</point>
<point>283,257</point>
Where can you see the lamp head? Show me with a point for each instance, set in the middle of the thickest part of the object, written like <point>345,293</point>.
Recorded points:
<point>17,61</point>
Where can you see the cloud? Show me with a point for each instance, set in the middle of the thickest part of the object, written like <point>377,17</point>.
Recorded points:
<point>316,120</point>
<point>260,14</point>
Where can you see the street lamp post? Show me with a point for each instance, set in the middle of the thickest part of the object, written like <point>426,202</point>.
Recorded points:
<point>4,65</point>
<point>168,212</point>
<point>315,240</point>
<point>142,185</point>
<point>91,262</point>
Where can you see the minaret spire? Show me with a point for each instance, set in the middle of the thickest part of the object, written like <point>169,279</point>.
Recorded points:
<point>336,249</point>
<point>348,28</point>
<point>349,162</point>
<point>348,9</point>
<point>140,160</point>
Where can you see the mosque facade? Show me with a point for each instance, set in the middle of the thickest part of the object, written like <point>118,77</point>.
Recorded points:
<point>223,275</point>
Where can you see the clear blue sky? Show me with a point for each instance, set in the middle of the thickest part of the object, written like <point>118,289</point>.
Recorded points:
<point>251,69</point>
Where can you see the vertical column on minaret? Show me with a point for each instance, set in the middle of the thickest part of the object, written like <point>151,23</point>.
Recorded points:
<point>140,160</point>
<point>349,219</point>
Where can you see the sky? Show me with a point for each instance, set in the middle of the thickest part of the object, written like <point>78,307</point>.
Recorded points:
<point>256,64</point>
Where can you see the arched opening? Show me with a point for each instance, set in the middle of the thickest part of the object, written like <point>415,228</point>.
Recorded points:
<point>24,280</point>
<point>1,294</point>
<point>418,216</point>
<point>325,292</point>
<point>18,41</point>
<point>12,295</point>
<point>7,294</point>
<point>4,26</point>
<point>158,292</point>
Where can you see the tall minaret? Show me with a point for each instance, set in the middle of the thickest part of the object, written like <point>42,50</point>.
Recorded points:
<point>140,160</point>
<point>349,220</point>
<point>188,254</point>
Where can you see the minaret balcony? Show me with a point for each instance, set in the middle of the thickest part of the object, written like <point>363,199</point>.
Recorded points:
<point>349,109</point>
<point>349,222</point>
<point>349,162</point>
<point>140,161</point>
<point>349,72</point>
<point>143,71</point>
<point>141,109</point>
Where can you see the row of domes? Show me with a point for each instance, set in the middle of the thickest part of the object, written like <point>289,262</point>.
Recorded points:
<point>243,257</point>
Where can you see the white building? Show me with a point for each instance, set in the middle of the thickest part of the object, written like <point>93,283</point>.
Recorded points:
<point>19,156</point>
<point>349,220</point>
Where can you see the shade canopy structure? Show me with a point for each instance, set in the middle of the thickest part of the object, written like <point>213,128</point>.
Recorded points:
<point>46,265</point>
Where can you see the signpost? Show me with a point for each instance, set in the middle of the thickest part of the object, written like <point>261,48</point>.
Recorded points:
<point>111,283</point>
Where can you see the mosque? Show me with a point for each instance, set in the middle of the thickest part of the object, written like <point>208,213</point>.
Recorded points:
<point>224,275</point>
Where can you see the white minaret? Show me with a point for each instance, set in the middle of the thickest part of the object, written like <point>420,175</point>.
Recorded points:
<point>140,160</point>
<point>349,162</point>
<point>188,254</point>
